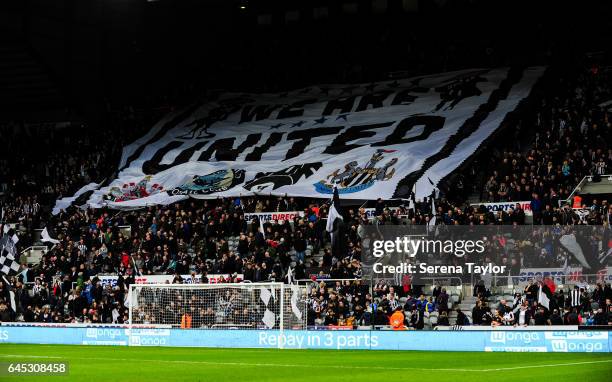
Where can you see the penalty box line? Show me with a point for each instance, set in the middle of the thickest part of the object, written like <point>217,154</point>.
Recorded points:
<point>258,364</point>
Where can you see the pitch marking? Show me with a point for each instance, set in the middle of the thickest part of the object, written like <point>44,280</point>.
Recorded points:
<point>247,364</point>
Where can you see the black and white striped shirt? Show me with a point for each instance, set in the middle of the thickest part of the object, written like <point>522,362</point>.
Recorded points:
<point>575,298</point>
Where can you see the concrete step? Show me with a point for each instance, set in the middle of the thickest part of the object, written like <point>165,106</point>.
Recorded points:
<point>466,307</point>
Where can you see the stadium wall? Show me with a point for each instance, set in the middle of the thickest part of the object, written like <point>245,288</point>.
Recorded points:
<point>494,340</point>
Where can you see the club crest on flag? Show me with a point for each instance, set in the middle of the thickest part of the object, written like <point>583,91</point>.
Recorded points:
<point>355,178</point>
<point>217,181</point>
<point>131,191</point>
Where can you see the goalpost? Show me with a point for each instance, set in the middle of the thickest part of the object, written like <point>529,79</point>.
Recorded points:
<point>262,306</point>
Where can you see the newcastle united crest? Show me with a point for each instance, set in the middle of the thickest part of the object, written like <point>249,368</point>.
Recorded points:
<point>355,178</point>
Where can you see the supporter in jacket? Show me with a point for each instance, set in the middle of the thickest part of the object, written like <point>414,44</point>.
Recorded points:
<point>421,303</point>
<point>461,318</point>
<point>417,320</point>
<point>442,301</point>
<point>443,319</point>
<point>478,312</point>
<point>541,317</point>
<point>555,318</point>
<point>523,316</point>
<point>410,303</point>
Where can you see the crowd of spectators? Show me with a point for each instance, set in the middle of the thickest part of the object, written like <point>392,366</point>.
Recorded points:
<point>581,304</point>
<point>352,303</point>
<point>572,140</point>
<point>61,159</point>
<point>212,237</point>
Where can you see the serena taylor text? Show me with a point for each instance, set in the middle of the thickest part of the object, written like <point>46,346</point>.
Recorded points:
<point>424,268</point>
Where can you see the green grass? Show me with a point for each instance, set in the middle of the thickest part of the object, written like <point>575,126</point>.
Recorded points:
<point>107,363</point>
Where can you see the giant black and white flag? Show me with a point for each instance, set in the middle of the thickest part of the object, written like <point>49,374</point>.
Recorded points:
<point>376,140</point>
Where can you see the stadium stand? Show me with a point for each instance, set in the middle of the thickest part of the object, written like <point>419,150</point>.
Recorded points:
<point>211,237</point>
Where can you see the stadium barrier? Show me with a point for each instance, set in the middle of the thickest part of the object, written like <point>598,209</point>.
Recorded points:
<point>515,340</point>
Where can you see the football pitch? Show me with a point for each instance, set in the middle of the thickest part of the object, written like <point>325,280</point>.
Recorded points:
<point>108,363</point>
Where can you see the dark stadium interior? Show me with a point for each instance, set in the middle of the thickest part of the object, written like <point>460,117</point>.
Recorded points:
<point>87,56</point>
<point>79,80</point>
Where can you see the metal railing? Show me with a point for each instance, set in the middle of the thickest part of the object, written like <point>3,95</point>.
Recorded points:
<point>518,283</point>
<point>27,254</point>
<point>446,281</point>
<point>585,179</point>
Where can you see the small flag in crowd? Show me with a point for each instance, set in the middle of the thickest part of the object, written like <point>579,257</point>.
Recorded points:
<point>605,254</point>
<point>9,261</point>
<point>580,248</point>
<point>435,191</point>
<point>9,257</point>
<point>333,212</point>
<point>289,276</point>
<point>544,295</point>
<point>45,237</point>
<point>411,205</point>
<point>566,269</point>
<point>261,227</point>
<point>432,221</point>
<point>412,202</point>
<point>11,294</point>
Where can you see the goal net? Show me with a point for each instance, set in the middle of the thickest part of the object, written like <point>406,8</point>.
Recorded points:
<point>218,306</point>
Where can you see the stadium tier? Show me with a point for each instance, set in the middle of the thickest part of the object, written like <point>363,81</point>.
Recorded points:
<point>194,190</point>
<point>74,262</point>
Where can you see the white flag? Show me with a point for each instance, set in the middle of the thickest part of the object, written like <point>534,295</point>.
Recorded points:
<point>543,298</point>
<point>261,227</point>
<point>295,295</point>
<point>269,318</point>
<point>605,255</point>
<point>265,295</point>
<point>12,299</point>
<point>333,212</point>
<point>11,294</point>
<point>331,217</point>
<point>432,220</point>
<point>44,237</point>
<point>289,276</point>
